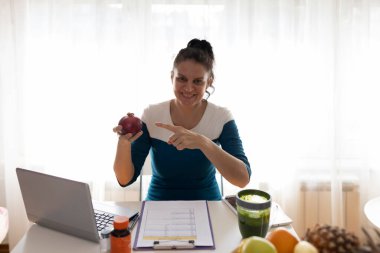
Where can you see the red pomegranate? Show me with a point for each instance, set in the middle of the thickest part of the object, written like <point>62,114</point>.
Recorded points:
<point>130,124</point>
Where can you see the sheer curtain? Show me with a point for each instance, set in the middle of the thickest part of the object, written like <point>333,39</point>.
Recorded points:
<point>299,76</point>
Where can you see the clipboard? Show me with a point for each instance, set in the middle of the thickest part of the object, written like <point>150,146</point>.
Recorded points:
<point>174,225</point>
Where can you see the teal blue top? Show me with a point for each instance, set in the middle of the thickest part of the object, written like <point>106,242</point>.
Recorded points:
<point>186,174</point>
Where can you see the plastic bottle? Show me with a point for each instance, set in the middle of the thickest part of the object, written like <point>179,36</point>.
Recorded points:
<point>120,236</point>
<point>105,243</point>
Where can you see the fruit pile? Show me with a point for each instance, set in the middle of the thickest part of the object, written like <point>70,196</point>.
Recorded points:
<point>332,239</point>
<point>319,239</point>
<point>279,240</point>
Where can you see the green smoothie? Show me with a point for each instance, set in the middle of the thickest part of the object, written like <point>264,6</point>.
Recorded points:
<point>253,223</point>
<point>253,207</point>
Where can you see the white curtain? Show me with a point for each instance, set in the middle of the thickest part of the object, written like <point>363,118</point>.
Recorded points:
<point>300,76</point>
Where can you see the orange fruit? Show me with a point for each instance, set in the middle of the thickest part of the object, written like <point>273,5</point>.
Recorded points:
<point>283,240</point>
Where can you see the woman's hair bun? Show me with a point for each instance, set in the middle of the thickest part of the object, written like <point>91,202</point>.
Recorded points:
<point>203,45</point>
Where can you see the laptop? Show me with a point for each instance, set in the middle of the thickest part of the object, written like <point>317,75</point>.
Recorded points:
<point>66,205</point>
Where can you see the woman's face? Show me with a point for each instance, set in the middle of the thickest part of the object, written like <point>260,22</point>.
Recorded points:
<point>190,81</point>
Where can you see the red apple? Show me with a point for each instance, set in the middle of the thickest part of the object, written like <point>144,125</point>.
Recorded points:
<point>130,124</point>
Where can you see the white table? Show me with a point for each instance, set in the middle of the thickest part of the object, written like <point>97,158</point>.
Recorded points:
<point>42,240</point>
<point>372,211</point>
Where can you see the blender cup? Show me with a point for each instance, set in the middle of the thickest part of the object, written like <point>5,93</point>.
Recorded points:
<point>253,208</point>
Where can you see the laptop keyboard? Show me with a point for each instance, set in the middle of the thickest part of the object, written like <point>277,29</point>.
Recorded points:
<point>103,219</point>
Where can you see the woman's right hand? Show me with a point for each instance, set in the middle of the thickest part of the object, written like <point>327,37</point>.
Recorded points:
<point>127,137</point>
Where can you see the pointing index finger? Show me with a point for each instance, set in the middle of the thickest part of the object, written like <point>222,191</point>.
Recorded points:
<point>166,126</point>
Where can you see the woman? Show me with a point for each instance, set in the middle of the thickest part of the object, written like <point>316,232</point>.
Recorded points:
<point>183,136</point>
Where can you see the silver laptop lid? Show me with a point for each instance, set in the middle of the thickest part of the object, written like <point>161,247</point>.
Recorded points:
<point>58,203</point>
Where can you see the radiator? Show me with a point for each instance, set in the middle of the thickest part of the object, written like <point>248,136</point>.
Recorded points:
<point>317,209</point>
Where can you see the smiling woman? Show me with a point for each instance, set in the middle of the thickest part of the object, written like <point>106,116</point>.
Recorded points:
<point>185,151</point>
<point>300,77</point>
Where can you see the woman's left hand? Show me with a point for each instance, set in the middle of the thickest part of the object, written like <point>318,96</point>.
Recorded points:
<point>181,137</point>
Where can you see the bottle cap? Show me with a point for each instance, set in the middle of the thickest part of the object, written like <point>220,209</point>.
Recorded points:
<point>105,233</point>
<point>120,222</point>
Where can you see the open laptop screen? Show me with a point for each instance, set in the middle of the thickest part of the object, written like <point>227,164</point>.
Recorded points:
<point>61,204</point>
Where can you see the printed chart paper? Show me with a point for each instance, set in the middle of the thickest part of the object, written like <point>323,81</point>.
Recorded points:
<point>175,222</point>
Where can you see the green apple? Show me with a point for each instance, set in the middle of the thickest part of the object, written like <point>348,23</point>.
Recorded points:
<point>305,247</point>
<point>255,244</point>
